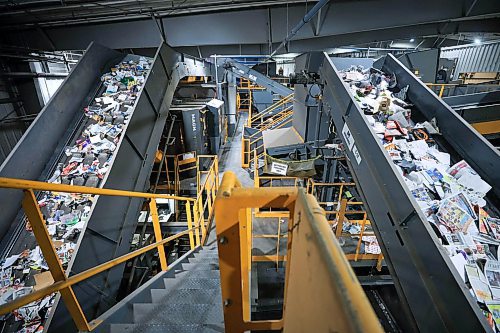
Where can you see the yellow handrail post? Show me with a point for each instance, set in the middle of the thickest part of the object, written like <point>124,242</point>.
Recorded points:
<point>216,166</point>
<point>379,262</point>
<point>340,218</point>
<point>190,224</point>
<point>245,222</point>
<point>198,176</point>
<point>201,211</point>
<point>209,199</point>
<point>35,218</point>
<point>158,236</point>
<point>196,223</point>
<point>278,244</point>
<point>255,169</point>
<point>441,91</point>
<point>358,247</point>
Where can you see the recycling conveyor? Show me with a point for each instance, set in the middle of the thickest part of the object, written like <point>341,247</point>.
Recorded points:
<point>433,295</point>
<point>258,78</point>
<point>113,221</point>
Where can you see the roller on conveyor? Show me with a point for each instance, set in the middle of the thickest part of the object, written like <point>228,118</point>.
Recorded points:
<point>113,220</point>
<point>433,295</point>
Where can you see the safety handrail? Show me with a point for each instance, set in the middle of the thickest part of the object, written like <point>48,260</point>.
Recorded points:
<point>198,227</point>
<point>272,107</point>
<point>275,119</point>
<point>313,251</point>
<point>340,215</point>
<point>439,88</point>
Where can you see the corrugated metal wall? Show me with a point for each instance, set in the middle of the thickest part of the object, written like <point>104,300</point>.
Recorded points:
<point>474,58</point>
<point>10,132</point>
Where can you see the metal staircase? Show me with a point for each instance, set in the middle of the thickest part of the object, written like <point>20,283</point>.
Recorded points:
<point>187,300</point>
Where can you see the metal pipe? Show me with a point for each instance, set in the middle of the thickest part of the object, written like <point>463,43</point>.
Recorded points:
<point>33,75</point>
<point>304,20</point>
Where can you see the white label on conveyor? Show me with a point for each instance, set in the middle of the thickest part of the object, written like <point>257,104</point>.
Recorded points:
<point>346,133</point>
<point>356,154</point>
<point>252,77</point>
<point>279,168</point>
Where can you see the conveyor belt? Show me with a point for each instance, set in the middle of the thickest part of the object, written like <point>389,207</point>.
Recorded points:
<point>432,294</point>
<point>246,72</point>
<point>113,221</point>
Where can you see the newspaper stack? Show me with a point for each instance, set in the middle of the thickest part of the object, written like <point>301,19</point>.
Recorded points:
<point>452,197</point>
<point>86,164</point>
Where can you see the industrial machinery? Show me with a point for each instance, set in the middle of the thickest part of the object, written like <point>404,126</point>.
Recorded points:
<point>113,220</point>
<point>322,146</point>
<point>431,292</point>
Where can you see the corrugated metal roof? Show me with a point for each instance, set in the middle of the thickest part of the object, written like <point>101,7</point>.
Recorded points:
<point>474,58</point>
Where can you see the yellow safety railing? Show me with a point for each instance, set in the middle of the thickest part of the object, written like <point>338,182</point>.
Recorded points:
<point>199,212</point>
<point>245,153</point>
<point>208,183</point>
<point>277,119</point>
<point>256,141</point>
<point>244,104</point>
<point>440,88</point>
<point>283,102</point>
<point>318,280</point>
<point>342,209</point>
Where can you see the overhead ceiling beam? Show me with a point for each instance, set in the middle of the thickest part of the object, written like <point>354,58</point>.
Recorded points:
<point>252,26</point>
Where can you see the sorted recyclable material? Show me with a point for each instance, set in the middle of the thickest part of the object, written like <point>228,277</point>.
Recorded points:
<point>85,163</point>
<point>451,194</point>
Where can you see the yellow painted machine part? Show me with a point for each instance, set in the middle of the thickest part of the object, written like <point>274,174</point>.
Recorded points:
<point>63,284</point>
<point>322,293</point>
<point>488,127</point>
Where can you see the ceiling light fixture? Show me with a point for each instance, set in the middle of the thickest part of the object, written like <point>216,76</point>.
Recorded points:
<point>412,40</point>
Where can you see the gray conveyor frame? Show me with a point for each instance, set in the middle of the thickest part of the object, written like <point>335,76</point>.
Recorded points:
<point>246,72</point>
<point>33,154</point>
<point>109,232</point>
<point>114,220</point>
<point>432,293</point>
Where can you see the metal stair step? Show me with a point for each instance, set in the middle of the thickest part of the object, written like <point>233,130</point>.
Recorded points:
<point>200,273</point>
<point>187,296</point>
<point>204,259</point>
<point>192,283</point>
<point>201,265</point>
<point>170,313</point>
<point>210,249</point>
<point>167,328</point>
<point>206,255</point>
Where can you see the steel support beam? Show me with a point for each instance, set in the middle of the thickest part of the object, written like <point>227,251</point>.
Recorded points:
<point>344,24</point>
